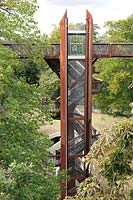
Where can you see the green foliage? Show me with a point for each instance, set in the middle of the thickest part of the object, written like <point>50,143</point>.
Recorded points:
<point>21,112</point>
<point>50,83</point>
<point>55,35</point>
<point>17,20</point>
<point>120,31</point>
<point>77,26</point>
<point>116,73</point>
<point>21,181</point>
<point>26,172</point>
<point>81,26</point>
<point>116,94</point>
<point>110,160</point>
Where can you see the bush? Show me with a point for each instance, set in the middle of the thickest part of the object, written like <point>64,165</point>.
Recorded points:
<point>110,160</point>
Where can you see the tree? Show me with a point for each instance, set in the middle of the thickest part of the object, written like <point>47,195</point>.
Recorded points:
<point>120,31</point>
<point>77,26</point>
<point>25,168</point>
<point>55,34</point>
<point>81,26</point>
<point>116,73</point>
<point>17,20</point>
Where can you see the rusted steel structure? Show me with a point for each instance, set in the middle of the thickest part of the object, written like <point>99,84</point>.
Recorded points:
<point>75,101</point>
<point>63,94</point>
<point>99,50</point>
<point>72,61</point>
<point>73,65</point>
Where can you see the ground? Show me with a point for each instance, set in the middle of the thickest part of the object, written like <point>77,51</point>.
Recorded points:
<point>99,121</point>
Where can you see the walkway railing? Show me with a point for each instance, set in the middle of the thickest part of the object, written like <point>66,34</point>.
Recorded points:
<point>113,50</point>
<point>99,50</point>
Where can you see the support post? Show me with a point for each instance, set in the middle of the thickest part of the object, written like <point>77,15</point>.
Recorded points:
<point>63,103</point>
<point>88,82</point>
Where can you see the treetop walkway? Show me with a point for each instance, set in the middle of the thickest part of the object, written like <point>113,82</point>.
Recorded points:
<point>99,50</point>
<point>52,52</point>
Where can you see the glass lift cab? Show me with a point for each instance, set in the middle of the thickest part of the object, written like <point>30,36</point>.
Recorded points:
<point>76,44</point>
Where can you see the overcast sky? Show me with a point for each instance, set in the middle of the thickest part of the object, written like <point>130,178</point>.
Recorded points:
<point>51,11</point>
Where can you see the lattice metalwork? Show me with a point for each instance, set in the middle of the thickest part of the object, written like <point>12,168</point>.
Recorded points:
<point>99,50</point>
<point>113,50</point>
<point>76,92</point>
<point>76,167</point>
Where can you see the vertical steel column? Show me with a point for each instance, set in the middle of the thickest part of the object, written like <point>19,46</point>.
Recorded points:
<point>69,158</point>
<point>88,82</point>
<point>63,94</point>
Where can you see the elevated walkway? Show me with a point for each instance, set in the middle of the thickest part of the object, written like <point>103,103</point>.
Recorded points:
<point>52,53</point>
<point>99,50</point>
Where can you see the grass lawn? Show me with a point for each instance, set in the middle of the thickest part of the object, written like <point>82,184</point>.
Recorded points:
<point>102,121</point>
<point>51,128</point>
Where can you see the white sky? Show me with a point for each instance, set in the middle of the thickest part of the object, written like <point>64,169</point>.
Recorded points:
<point>51,11</point>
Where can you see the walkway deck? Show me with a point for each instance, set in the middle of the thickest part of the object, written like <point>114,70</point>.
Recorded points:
<point>99,50</point>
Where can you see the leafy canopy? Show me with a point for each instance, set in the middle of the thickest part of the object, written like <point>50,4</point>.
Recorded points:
<point>25,168</point>
<point>116,73</point>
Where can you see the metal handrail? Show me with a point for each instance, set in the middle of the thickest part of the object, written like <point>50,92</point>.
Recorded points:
<point>99,50</point>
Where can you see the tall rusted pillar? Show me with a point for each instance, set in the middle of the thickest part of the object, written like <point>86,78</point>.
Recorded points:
<point>63,99</point>
<point>88,81</point>
<point>76,101</point>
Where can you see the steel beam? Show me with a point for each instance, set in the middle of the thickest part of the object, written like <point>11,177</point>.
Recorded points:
<point>63,102</point>
<point>88,82</point>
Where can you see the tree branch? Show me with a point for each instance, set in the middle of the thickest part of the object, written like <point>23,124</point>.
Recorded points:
<point>5,10</point>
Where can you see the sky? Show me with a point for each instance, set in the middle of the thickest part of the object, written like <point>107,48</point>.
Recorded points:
<point>51,11</point>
